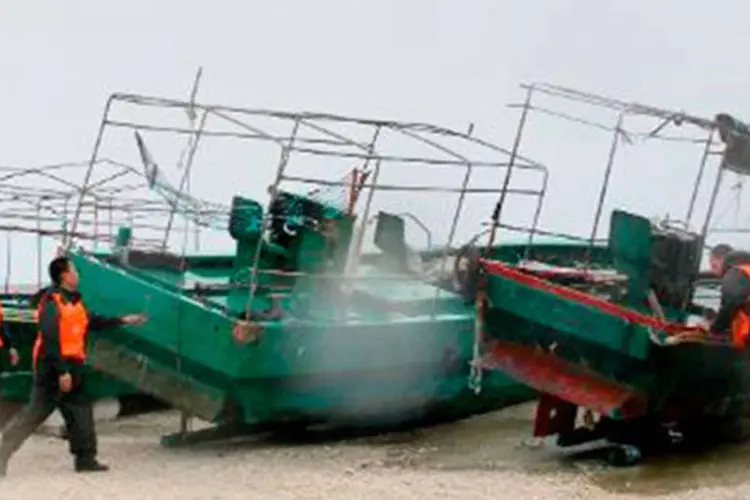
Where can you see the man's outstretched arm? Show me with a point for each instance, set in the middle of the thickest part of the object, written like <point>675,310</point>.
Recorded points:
<point>98,322</point>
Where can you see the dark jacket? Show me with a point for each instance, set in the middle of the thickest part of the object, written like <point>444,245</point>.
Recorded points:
<point>5,336</point>
<point>50,359</point>
<point>735,291</point>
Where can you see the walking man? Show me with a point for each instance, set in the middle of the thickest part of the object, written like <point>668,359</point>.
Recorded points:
<point>59,356</point>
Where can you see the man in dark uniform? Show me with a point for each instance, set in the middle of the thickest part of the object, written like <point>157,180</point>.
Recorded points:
<point>733,322</point>
<point>59,357</point>
<point>730,264</point>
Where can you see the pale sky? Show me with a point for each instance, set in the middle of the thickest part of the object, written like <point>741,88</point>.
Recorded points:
<point>447,62</point>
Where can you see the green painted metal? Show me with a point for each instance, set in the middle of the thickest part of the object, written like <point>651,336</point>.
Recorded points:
<point>674,377</point>
<point>392,353</point>
<point>124,235</point>
<point>398,345</point>
<point>402,358</point>
<point>568,318</point>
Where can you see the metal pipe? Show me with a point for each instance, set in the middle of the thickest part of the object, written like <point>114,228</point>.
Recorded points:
<point>525,165</point>
<point>537,215</point>
<point>185,175</point>
<point>714,195</point>
<point>421,224</point>
<point>87,178</point>
<point>605,182</point>
<point>353,260</point>
<point>699,178</point>
<point>398,187</point>
<point>283,161</point>
<point>496,215</point>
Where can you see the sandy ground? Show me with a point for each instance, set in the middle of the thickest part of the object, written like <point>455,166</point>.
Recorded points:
<point>485,457</point>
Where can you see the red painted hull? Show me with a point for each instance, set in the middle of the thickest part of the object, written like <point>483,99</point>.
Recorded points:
<point>549,374</point>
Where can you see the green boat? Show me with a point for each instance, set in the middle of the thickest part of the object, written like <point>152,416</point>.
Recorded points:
<point>323,314</point>
<point>613,346</point>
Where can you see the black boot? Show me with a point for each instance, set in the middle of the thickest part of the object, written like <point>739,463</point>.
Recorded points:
<point>90,465</point>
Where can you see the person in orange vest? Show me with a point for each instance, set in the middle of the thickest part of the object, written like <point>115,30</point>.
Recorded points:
<point>733,316</point>
<point>6,340</point>
<point>59,382</point>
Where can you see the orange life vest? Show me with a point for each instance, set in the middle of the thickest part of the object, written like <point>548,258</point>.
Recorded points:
<point>72,328</point>
<point>741,320</point>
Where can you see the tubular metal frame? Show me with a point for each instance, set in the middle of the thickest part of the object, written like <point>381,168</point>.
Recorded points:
<point>623,110</point>
<point>317,134</point>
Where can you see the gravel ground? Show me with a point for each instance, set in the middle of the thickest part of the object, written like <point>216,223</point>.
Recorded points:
<point>485,457</point>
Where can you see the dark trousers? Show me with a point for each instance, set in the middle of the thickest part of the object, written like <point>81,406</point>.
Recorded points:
<point>76,409</point>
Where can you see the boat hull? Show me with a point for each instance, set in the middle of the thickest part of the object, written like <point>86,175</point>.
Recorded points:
<point>584,353</point>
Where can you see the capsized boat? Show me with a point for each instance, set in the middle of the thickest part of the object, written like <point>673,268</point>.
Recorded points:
<point>614,347</point>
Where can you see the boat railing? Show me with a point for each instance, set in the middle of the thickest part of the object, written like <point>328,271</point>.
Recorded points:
<point>536,231</point>
<point>421,225</point>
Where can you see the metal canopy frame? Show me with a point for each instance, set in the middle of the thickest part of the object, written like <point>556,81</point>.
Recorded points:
<point>39,201</point>
<point>45,195</point>
<point>622,110</point>
<point>329,135</point>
